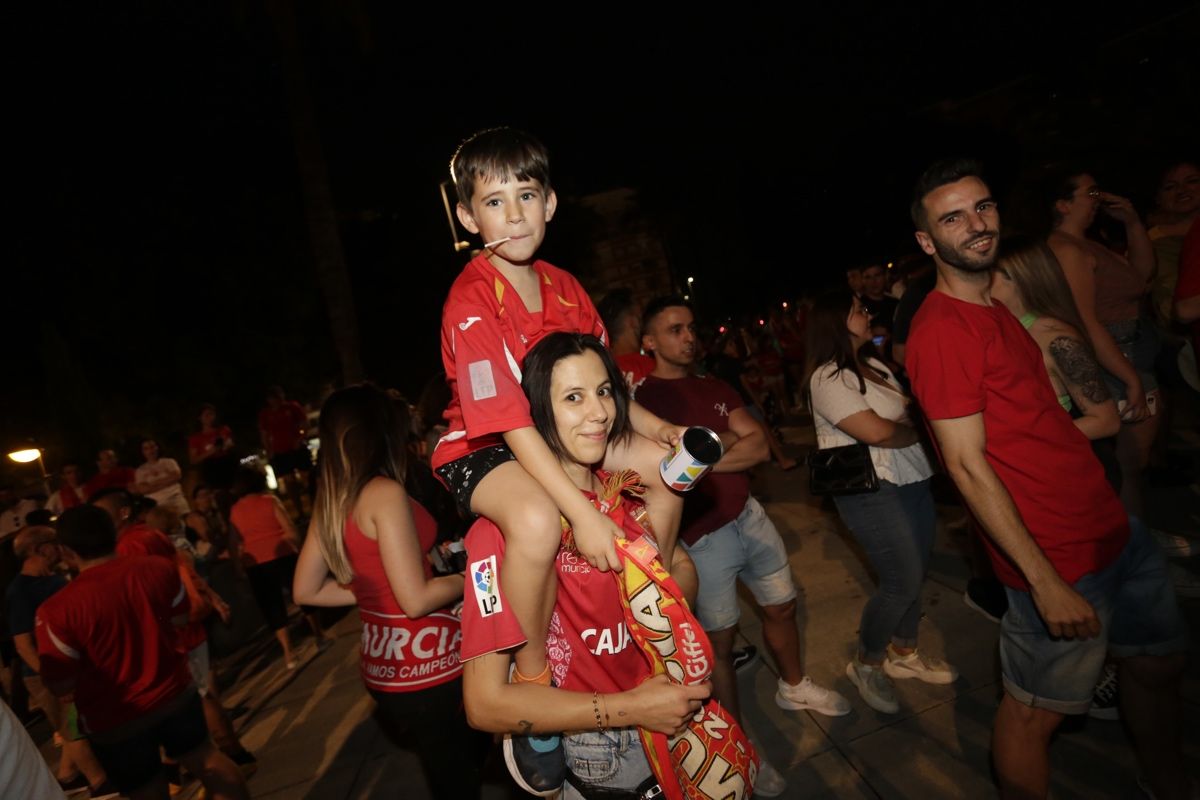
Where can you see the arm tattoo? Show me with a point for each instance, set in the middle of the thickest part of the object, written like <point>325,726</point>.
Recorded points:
<point>1079,368</point>
<point>524,727</point>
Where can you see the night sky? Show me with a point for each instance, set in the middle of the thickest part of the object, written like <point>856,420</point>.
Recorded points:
<point>163,255</point>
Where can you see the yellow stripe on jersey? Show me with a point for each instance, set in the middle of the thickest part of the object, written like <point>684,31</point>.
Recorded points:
<point>499,288</point>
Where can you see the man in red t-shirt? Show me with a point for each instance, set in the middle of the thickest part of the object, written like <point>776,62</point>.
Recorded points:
<point>622,316</point>
<point>70,492</point>
<point>282,423</point>
<point>724,529</point>
<point>111,475</point>
<point>1081,577</point>
<point>1187,289</point>
<point>107,641</point>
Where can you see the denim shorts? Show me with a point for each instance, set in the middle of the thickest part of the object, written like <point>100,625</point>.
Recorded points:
<point>612,759</point>
<point>1138,342</point>
<point>748,548</point>
<point>1139,616</point>
<point>198,664</point>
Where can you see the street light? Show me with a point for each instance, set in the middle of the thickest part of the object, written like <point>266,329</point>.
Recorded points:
<point>28,455</point>
<point>459,246</point>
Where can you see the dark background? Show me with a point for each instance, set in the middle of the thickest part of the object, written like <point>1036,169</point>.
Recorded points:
<point>164,255</point>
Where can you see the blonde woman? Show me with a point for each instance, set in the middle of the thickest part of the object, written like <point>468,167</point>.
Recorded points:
<point>1030,284</point>
<point>367,546</point>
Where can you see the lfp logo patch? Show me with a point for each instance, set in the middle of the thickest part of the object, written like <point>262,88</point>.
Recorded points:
<point>487,586</point>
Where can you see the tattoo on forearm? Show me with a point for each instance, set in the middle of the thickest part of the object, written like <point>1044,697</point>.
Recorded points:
<point>524,727</point>
<point>1078,366</point>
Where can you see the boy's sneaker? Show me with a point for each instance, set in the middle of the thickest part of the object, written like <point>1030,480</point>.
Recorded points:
<point>246,762</point>
<point>75,785</point>
<point>105,791</point>
<point>873,686</point>
<point>807,694</point>
<point>768,782</point>
<point>1104,696</point>
<point>537,763</point>
<point>920,666</point>
<point>744,657</point>
<point>174,778</point>
<point>987,597</point>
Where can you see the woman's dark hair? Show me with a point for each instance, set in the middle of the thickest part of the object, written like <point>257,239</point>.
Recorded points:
<point>828,338</point>
<point>1060,182</point>
<point>539,369</point>
<point>364,434</point>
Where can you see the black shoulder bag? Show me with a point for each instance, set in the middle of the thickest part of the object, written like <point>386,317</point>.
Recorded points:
<point>842,470</point>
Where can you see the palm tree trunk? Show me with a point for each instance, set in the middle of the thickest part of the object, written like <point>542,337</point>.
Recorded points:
<point>329,260</point>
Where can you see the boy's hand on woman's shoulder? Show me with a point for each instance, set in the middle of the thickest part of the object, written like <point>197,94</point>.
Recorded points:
<point>594,539</point>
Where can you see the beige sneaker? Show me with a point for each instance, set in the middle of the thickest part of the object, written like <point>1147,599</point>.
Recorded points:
<point>920,666</point>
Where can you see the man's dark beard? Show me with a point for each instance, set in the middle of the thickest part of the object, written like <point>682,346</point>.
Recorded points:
<point>959,259</point>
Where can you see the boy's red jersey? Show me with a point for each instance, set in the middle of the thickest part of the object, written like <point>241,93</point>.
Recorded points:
<point>486,333</point>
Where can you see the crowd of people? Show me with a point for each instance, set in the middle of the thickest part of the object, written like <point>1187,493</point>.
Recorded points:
<point>119,681</point>
<point>590,623</point>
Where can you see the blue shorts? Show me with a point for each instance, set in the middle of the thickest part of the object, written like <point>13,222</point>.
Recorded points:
<point>1139,616</point>
<point>748,548</point>
<point>612,759</point>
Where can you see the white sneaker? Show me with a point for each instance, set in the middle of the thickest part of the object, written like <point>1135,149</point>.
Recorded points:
<point>873,686</point>
<point>807,694</point>
<point>920,666</point>
<point>768,783</point>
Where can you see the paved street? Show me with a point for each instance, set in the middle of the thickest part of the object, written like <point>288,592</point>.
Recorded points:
<point>315,738</point>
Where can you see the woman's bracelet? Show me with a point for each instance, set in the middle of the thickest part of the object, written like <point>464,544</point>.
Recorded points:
<point>600,726</point>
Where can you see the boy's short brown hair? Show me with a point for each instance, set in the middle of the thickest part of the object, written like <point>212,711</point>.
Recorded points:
<point>498,153</point>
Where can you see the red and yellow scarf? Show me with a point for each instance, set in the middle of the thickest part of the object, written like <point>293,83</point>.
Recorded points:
<point>712,759</point>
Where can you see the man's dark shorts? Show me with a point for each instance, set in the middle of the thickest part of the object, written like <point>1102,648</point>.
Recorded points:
<point>130,754</point>
<point>462,475</point>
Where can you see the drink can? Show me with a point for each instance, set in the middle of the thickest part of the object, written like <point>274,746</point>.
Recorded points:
<point>698,449</point>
